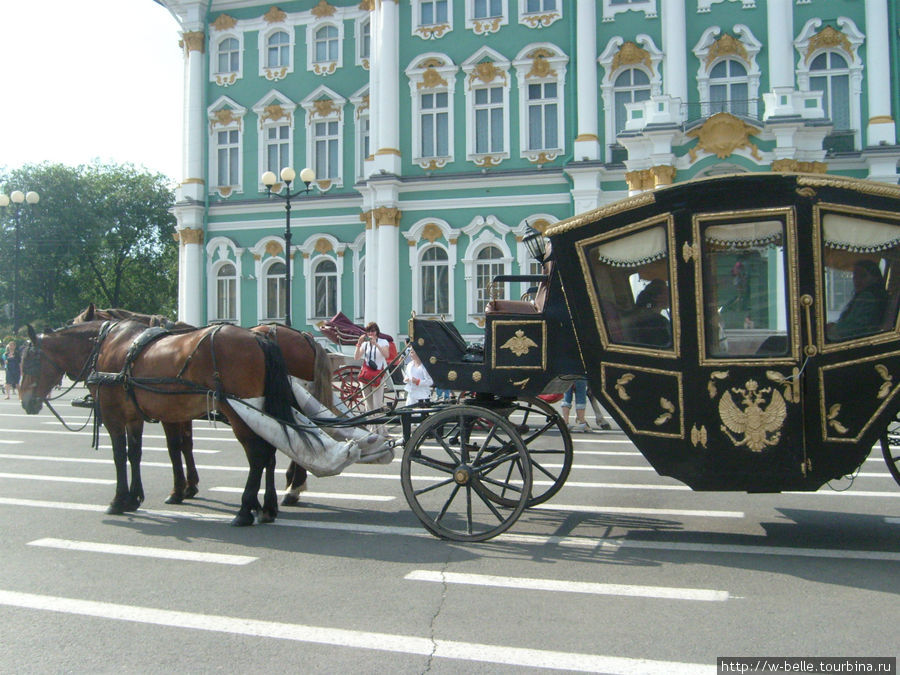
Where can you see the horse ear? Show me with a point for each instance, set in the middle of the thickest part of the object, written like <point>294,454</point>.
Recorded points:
<point>89,312</point>
<point>31,334</point>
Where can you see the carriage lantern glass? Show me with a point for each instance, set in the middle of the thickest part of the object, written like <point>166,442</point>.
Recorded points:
<point>534,242</point>
<point>307,176</point>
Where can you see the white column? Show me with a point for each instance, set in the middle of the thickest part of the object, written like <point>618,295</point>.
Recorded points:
<point>587,143</point>
<point>192,186</point>
<point>780,31</point>
<point>190,268</point>
<point>386,60</point>
<point>881,129</point>
<point>387,231</point>
<point>674,41</point>
<point>371,290</point>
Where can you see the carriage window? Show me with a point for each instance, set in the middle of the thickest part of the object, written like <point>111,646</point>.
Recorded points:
<point>744,290</point>
<point>632,283</point>
<point>862,277</point>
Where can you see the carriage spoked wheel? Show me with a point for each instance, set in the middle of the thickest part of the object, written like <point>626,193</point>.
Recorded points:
<point>452,472</point>
<point>890,448</point>
<point>549,446</point>
<point>351,391</point>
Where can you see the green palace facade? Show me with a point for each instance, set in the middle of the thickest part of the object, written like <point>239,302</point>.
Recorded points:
<point>439,130</point>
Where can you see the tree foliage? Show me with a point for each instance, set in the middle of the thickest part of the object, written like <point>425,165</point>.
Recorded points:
<point>100,233</point>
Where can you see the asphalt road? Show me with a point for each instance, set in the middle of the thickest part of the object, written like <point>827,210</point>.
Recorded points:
<point>622,572</point>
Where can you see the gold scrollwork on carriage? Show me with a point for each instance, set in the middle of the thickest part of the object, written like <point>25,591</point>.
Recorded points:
<point>650,400</point>
<point>846,413</point>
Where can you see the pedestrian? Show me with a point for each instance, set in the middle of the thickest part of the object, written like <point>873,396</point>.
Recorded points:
<point>418,381</point>
<point>374,352</point>
<point>13,369</point>
<point>579,388</point>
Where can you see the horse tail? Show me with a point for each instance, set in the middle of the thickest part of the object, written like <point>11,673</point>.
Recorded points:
<point>321,389</point>
<point>277,387</point>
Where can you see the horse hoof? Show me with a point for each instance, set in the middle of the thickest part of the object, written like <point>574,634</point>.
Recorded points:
<point>290,499</point>
<point>265,517</point>
<point>242,520</point>
<point>190,491</point>
<point>115,509</point>
<point>174,499</point>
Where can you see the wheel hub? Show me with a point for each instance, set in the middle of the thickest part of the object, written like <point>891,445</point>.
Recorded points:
<point>462,475</point>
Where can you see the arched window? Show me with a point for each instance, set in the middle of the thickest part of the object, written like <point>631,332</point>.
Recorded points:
<point>275,287</point>
<point>226,293</point>
<point>326,44</point>
<point>278,50</point>
<point>488,264</point>
<point>435,280</point>
<point>325,289</point>
<point>229,56</point>
<point>632,85</point>
<point>728,88</point>
<point>830,74</point>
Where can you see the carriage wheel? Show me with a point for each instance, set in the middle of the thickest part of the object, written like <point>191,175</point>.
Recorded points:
<point>892,454</point>
<point>451,473</point>
<point>351,391</point>
<point>549,446</point>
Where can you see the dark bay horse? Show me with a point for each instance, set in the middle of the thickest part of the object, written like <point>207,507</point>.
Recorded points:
<point>305,358</point>
<point>174,378</point>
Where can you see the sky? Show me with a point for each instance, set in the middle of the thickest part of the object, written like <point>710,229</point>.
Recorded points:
<point>91,79</point>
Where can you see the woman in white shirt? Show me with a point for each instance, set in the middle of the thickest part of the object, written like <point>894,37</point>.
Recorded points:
<point>374,351</point>
<point>418,381</point>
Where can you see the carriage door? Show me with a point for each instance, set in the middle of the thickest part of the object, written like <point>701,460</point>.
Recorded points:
<point>854,369</point>
<point>744,408</point>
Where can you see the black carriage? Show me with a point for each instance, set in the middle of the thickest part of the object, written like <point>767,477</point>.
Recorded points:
<point>742,330</point>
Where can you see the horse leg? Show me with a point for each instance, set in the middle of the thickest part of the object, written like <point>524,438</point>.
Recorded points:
<point>187,449</point>
<point>135,439</point>
<point>296,483</point>
<point>174,442</point>
<point>270,500</point>
<point>120,501</point>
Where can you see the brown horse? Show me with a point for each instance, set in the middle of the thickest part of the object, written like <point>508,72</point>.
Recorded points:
<point>306,359</point>
<point>174,378</point>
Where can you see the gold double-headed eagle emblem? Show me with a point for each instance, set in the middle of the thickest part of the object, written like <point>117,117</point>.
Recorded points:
<point>752,422</point>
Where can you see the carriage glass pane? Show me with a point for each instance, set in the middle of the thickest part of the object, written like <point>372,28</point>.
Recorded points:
<point>861,276</point>
<point>632,283</point>
<point>744,289</point>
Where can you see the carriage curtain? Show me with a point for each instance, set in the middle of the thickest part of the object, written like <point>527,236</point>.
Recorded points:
<point>744,235</point>
<point>858,235</point>
<point>634,250</point>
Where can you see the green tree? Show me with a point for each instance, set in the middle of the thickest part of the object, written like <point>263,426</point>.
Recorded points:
<point>100,233</point>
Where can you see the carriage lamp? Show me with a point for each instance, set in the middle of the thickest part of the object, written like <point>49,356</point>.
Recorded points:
<point>535,243</point>
<point>307,176</point>
<point>17,197</point>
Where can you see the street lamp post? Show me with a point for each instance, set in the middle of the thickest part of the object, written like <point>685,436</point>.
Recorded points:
<point>17,197</point>
<point>288,174</point>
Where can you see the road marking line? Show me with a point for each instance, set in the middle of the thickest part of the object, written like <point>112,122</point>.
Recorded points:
<point>556,586</point>
<point>639,510</point>
<point>892,521</point>
<point>11,442</point>
<point>162,448</point>
<point>58,479</point>
<point>318,495</point>
<point>87,434</point>
<point>339,637</point>
<point>144,551</point>
<point>600,543</point>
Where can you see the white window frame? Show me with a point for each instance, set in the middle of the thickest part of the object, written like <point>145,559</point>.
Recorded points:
<point>263,286</point>
<point>541,63</point>
<point>363,23</point>
<point>225,115</point>
<point>325,105</point>
<point>487,25</point>
<point>607,83</point>
<point>420,236</point>
<point>279,73</point>
<point>229,78</point>
<point>854,38</point>
<point>483,232</point>
<point>328,66</point>
<point>648,7</point>
<point>431,73</point>
<point>541,18</point>
<point>432,31</point>
<point>273,110</point>
<point>476,73</point>
<point>361,117</point>
<point>330,277</point>
<point>222,251</point>
<point>267,251</point>
<point>706,44</point>
<point>314,250</point>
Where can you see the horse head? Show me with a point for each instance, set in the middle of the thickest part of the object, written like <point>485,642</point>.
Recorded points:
<point>36,373</point>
